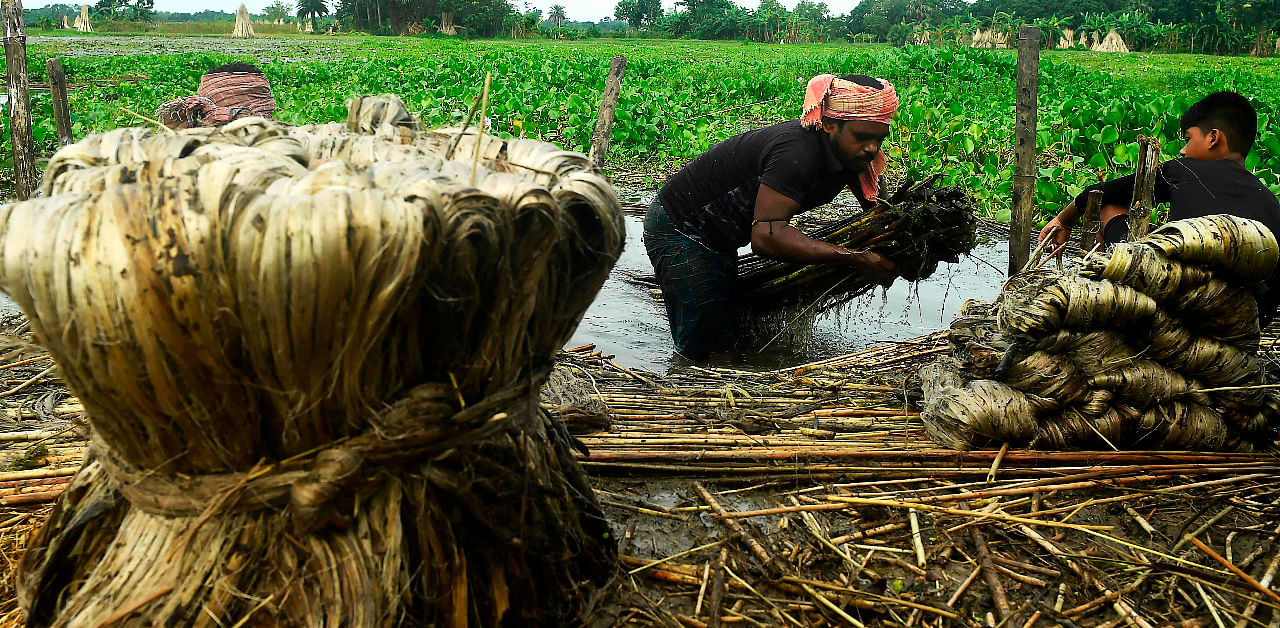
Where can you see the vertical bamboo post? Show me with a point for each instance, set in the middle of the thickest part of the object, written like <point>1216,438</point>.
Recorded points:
<point>484,106</point>
<point>1144,186</point>
<point>15,63</point>
<point>608,104</point>
<point>1089,227</point>
<point>61,108</point>
<point>1024,148</point>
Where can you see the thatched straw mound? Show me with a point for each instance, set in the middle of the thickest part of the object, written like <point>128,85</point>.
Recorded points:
<point>244,26</point>
<point>82,23</point>
<point>1111,43</point>
<point>1152,346</point>
<point>311,364</point>
<point>1067,39</point>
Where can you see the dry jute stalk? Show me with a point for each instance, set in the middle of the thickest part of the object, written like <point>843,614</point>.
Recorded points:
<point>1152,345</point>
<point>310,358</point>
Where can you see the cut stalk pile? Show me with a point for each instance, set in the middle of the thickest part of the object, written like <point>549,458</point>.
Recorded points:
<point>810,496</point>
<point>310,360</point>
<point>1153,345</point>
<point>918,227</point>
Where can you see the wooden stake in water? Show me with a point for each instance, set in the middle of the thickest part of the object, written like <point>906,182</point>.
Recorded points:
<point>1089,226</point>
<point>1144,188</point>
<point>1024,148</point>
<point>61,109</point>
<point>484,106</point>
<point>15,60</point>
<point>608,103</point>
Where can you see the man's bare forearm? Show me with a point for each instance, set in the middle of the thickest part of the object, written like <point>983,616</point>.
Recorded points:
<point>788,244</point>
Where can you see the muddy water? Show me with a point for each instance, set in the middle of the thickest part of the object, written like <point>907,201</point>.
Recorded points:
<point>626,321</point>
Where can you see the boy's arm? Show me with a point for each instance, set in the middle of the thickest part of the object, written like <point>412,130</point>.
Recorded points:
<point>1114,192</point>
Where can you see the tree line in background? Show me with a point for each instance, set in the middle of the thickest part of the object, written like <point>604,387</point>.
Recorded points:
<point>1210,26</point>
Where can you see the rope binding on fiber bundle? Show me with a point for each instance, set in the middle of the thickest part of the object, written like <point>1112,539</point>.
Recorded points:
<point>310,358</point>
<point>1152,345</point>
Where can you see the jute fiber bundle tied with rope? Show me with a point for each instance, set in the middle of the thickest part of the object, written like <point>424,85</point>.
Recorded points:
<point>312,382</point>
<point>1153,345</point>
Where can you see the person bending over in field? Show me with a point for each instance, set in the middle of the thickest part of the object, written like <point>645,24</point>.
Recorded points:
<point>745,190</point>
<point>1210,178</point>
<point>227,92</point>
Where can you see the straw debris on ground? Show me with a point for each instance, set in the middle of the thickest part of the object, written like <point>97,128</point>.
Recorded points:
<point>820,467</point>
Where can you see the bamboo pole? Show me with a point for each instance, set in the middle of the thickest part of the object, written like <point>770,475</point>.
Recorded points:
<point>1090,230</point>
<point>484,105</point>
<point>1144,185</point>
<point>15,57</point>
<point>61,106</point>
<point>608,104</point>
<point>1024,148</point>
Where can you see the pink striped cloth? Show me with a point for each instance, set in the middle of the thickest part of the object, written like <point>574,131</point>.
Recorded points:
<point>239,90</point>
<point>222,97</point>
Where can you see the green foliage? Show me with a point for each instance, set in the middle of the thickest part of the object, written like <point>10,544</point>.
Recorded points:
<point>125,10</point>
<point>638,13</point>
<point>312,10</point>
<point>956,116</point>
<point>899,34</point>
<point>278,10</point>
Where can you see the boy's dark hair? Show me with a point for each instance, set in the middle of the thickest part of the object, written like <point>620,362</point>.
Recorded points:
<point>1228,112</point>
<point>243,68</point>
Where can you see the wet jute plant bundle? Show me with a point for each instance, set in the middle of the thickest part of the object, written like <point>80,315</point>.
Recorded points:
<point>1152,345</point>
<point>310,358</point>
<point>917,227</point>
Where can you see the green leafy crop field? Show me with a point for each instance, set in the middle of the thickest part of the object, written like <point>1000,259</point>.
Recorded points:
<point>680,97</point>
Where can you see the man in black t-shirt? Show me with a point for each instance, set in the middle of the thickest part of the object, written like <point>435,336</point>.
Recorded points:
<point>1210,178</point>
<point>745,189</point>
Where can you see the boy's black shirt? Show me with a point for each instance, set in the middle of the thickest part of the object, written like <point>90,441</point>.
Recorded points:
<point>1196,188</point>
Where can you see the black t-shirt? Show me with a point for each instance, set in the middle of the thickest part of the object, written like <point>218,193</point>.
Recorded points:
<point>712,198</point>
<point>1195,188</point>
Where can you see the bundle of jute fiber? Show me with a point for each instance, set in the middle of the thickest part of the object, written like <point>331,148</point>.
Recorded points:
<point>1152,345</point>
<point>312,384</point>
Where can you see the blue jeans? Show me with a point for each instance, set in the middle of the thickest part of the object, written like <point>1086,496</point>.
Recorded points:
<point>697,286</point>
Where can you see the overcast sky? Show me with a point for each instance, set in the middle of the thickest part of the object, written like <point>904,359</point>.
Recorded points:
<point>580,10</point>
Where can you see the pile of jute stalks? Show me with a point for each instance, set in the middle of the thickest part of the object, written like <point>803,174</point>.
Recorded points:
<point>917,227</point>
<point>1152,345</point>
<point>310,360</point>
